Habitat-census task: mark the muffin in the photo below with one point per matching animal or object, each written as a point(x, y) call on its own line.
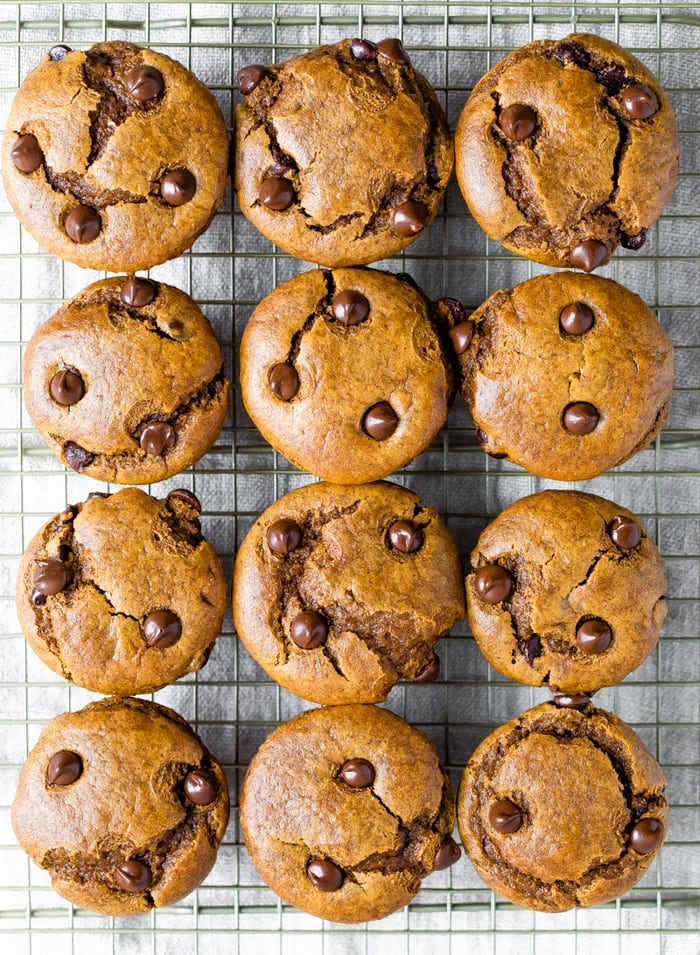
point(344, 811)
point(567, 148)
point(123, 805)
point(122, 594)
point(343, 153)
point(115, 157)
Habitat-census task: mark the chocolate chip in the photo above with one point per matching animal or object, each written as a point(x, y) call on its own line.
point(182, 494)
point(580, 417)
point(59, 52)
point(576, 319)
point(276, 193)
point(350, 308)
point(37, 599)
point(633, 242)
point(132, 876)
point(162, 628)
point(144, 83)
point(518, 122)
point(325, 875)
point(201, 787)
point(309, 630)
point(588, 255)
point(448, 853)
point(249, 77)
point(405, 536)
point(639, 101)
point(50, 576)
point(358, 773)
point(76, 457)
point(410, 218)
point(483, 440)
point(433, 173)
point(67, 387)
point(380, 421)
point(64, 768)
point(625, 532)
point(157, 438)
point(458, 311)
point(533, 649)
point(505, 816)
point(283, 536)
point(613, 78)
point(493, 583)
point(646, 835)
point(63, 553)
point(284, 381)
point(137, 292)
point(572, 53)
point(82, 225)
point(363, 49)
point(26, 153)
point(392, 49)
point(572, 701)
point(461, 336)
point(177, 187)
point(430, 673)
point(97, 494)
point(593, 635)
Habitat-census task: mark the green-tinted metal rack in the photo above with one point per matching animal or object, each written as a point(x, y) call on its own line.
point(231, 702)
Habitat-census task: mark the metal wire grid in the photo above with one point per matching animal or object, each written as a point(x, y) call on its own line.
point(231, 702)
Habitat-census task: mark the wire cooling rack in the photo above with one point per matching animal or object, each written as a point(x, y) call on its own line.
point(231, 702)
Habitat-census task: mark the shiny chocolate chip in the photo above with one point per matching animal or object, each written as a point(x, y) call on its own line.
point(276, 194)
point(625, 532)
point(309, 630)
point(572, 701)
point(250, 77)
point(639, 101)
point(448, 853)
point(380, 421)
point(182, 494)
point(588, 255)
point(593, 636)
point(405, 536)
point(283, 536)
point(64, 768)
point(59, 52)
point(82, 225)
point(358, 773)
point(177, 187)
point(633, 242)
point(576, 319)
point(201, 787)
point(144, 83)
point(580, 417)
point(162, 628)
point(284, 381)
point(50, 576)
point(613, 78)
point(493, 583)
point(325, 875)
point(646, 835)
point(363, 49)
point(572, 53)
point(505, 816)
point(483, 440)
point(157, 438)
point(410, 218)
point(37, 599)
point(461, 336)
point(137, 292)
point(392, 49)
point(430, 673)
point(26, 153)
point(133, 876)
point(76, 457)
point(67, 387)
point(350, 308)
point(532, 649)
point(518, 122)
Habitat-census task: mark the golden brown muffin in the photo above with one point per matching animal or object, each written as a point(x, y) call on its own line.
point(562, 807)
point(566, 374)
point(122, 594)
point(123, 805)
point(345, 809)
point(342, 154)
point(114, 158)
point(566, 589)
point(339, 591)
point(345, 372)
point(567, 148)
point(125, 382)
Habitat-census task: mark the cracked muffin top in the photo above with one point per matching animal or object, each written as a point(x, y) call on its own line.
point(562, 807)
point(114, 158)
point(567, 148)
point(566, 374)
point(340, 591)
point(344, 811)
point(566, 589)
point(123, 805)
point(122, 594)
point(345, 373)
point(342, 154)
point(125, 382)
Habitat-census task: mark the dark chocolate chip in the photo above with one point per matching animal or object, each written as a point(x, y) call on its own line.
point(533, 649)
point(249, 77)
point(137, 292)
point(76, 457)
point(572, 701)
point(410, 218)
point(380, 421)
point(59, 52)
point(201, 787)
point(633, 242)
point(493, 583)
point(276, 194)
point(82, 225)
point(448, 853)
point(505, 816)
point(182, 494)
point(132, 876)
point(613, 78)
point(576, 319)
point(97, 494)
point(177, 187)
point(309, 630)
point(37, 599)
point(67, 387)
point(405, 536)
point(392, 49)
point(162, 628)
point(518, 122)
point(284, 381)
point(64, 768)
point(458, 311)
point(580, 418)
point(461, 336)
point(63, 553)
point(639, 101)
point(358, 773)
point(433, 173)
point(646, 835)
point(144, 83)
point(363, 49)
point(625, 532)
point(26, 153)
point(593, 635)
point(430, 673)
point(50, 576)
point(483, 440)
point(283, 536)
point(572, 53)
point(588, 255)
point(350, 308)
point(157, 438)
point(325, 875)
